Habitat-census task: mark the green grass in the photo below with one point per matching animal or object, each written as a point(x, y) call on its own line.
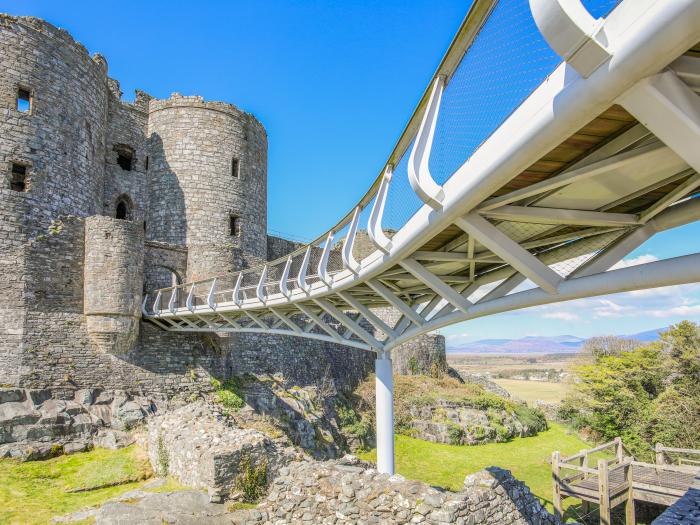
point(447, 465)
point(33, 492)
point(530, 391)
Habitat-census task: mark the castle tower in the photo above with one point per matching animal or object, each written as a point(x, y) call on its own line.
point(52, 132)
point(113, 281)
point(208, 176)
point(53, 104)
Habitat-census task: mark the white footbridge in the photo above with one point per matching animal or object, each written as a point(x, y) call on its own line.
point(553, 140)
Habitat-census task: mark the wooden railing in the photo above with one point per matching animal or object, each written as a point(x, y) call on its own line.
point(684, 456)
point(602, 493)
point(610, 481)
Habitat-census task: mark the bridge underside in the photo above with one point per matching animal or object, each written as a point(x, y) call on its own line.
point(599, 158)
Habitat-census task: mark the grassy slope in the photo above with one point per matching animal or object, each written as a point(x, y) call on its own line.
point(34, 492)
point(447, 465)
point(530, 391)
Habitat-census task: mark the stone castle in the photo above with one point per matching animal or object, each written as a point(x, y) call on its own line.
point(102, 199)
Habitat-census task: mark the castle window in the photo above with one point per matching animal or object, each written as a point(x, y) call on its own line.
point(125, 156)
point(24, 100)
point(235, 167)
point(145, 164)
point(18, 180)
point(234, 226)
point(123, 208)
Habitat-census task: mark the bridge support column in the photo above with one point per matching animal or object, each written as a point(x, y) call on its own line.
point(385, 413)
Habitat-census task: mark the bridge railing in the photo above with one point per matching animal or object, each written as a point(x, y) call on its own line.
point(497, 59)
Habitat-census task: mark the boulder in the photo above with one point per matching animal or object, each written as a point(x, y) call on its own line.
point(85, 396)
point(102, 414)
point(9, 395)
point(112, 439)
point(16, 413)
point(37, 397)
point(126, 415)
point(104, 398)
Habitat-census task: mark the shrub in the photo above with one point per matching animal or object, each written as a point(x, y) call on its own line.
point(229, 394)
point(502, 433)
point(252, 479)
point(531, 417)
point(485, 401)
point(162, 459)
point(354, 424)
point(455, 434)
point(643, 395)
point(413, 365)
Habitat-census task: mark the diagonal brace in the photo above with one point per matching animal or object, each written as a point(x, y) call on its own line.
point(510, 251)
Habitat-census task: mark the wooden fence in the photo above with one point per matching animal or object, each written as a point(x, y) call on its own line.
point(617, 477)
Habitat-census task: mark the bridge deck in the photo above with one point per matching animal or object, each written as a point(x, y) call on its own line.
point(650, 484)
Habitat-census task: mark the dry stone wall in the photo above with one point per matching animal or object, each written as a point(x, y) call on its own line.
point(350, 491)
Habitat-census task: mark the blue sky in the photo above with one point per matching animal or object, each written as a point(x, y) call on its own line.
point(334, 83)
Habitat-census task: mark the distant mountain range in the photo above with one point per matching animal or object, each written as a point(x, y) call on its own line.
point(560, 344)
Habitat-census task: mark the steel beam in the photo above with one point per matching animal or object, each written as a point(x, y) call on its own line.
point(510, 251)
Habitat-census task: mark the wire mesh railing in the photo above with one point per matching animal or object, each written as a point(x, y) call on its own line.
point(491, 75)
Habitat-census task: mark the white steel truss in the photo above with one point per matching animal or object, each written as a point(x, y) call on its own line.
point(562, 233)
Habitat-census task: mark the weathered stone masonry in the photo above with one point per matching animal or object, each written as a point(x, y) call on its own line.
point(189, 177)
point(117, 198)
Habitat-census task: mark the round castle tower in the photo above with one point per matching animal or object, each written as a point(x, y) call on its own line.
point(52, 130)
point(208, 176)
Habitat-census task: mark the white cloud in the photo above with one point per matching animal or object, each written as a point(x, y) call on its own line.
point(635, 261)
point(562, 316)
point(678, 311)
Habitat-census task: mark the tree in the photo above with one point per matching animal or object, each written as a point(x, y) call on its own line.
point(644, 394)
point(607, 345)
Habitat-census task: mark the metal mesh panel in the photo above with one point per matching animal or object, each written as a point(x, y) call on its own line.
point(578, 252)
point(506, 62)
point(402, 202)
point(522, 231)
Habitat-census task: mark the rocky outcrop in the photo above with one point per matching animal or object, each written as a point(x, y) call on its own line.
point(448, 422)
point(204, 449)
point(36, 425)
point(306, 415)
point(484, 382)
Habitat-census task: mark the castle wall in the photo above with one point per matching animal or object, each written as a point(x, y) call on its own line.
point(59, 142)
point(126, 128)
point(194, 193)
point(278, 247)
point(62, 138)
point(162, 260)
point(301, 361)
point(69, 315)
point(113, 282)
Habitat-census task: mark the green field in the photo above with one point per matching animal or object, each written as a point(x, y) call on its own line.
point(447, 465)
point(33, 492)
point(530, 391)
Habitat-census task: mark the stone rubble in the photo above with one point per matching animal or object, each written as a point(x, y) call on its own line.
point(350, 491)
